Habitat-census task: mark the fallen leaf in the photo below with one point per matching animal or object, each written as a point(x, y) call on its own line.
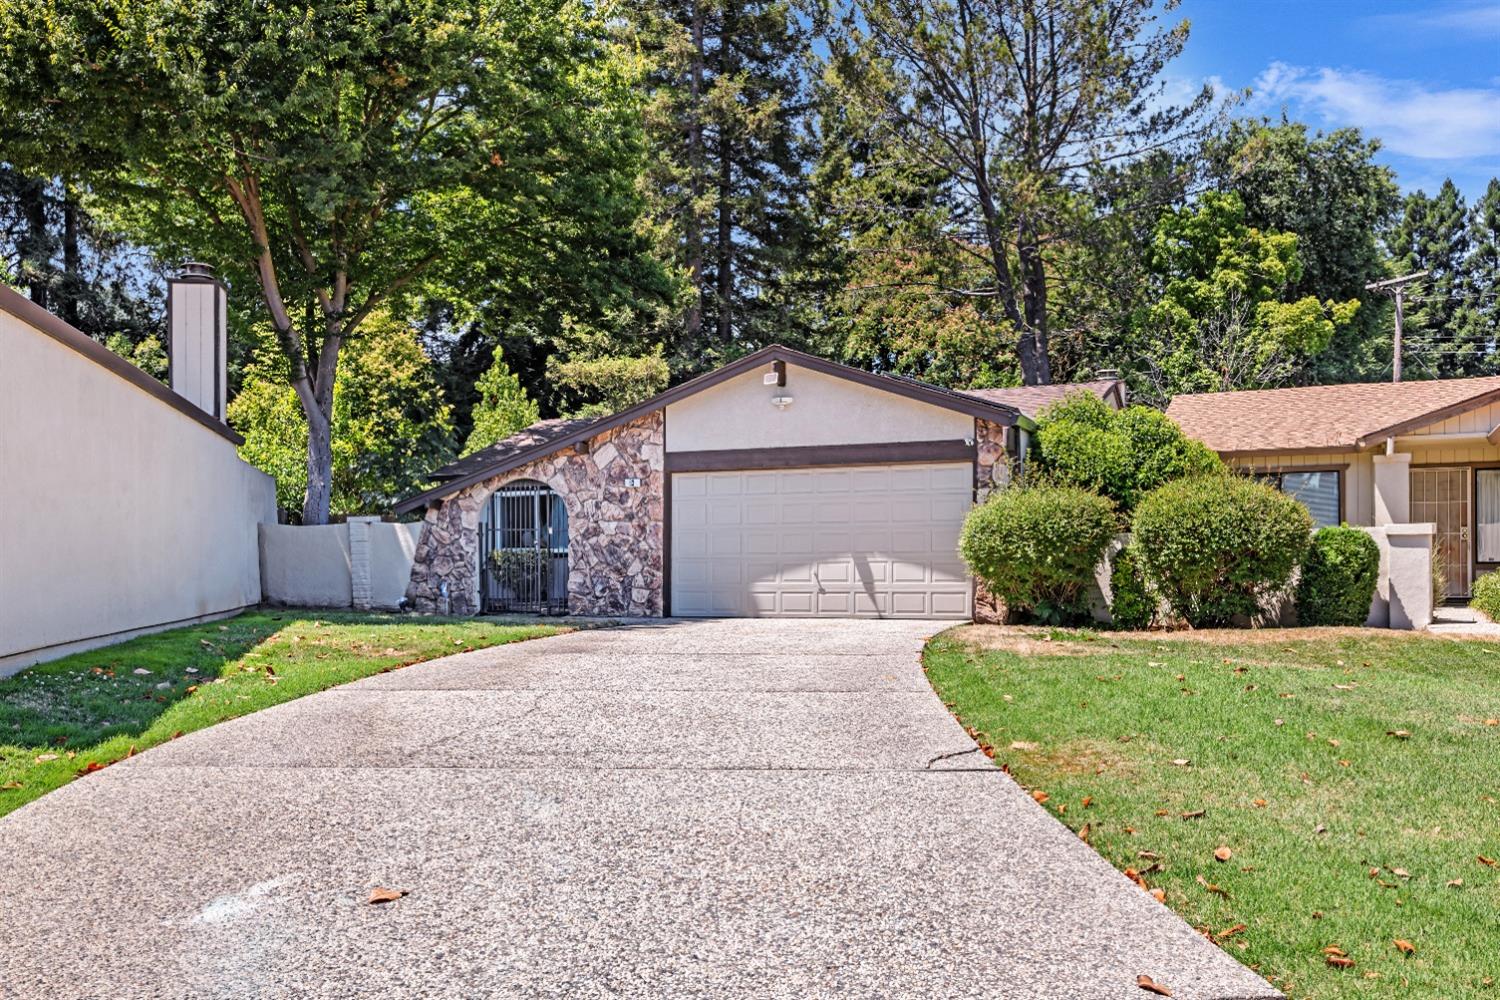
point(380, 894)
point(1040, 795)
point(1182, 762)
point(1455, 883)
point(10, 786)
point(1087, 800)
point(1083, 833)
point(1340, 961)
point(1260, 803)
point(1333, 949)
point(42, 758)
point(1400, 873)
point(1403, 946)
point(1194, 814)
point(1150, 985)
point(1230, 931)
point(1223, 854)
point(1023, 745)
point(1147, 855)
point(1400, 734)
point(1486, 861)
point(1160, 895)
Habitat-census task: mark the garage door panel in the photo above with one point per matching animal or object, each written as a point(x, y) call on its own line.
point(869, 540)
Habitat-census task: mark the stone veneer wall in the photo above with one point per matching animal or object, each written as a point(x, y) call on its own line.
point(992, 470)
point(615, 532)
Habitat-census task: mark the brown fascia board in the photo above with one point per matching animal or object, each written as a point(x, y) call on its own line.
point(55, 327)
point(997, 413)
point(1327, 449)
point(1432, 417)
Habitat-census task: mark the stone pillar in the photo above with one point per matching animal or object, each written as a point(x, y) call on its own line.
point(1409, 574)
point(1392, 489)
point(361, 591)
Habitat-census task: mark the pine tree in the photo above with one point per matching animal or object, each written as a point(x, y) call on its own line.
point(503, 406)
point(727, 115)
point(1481, 315)
point(1433, 236)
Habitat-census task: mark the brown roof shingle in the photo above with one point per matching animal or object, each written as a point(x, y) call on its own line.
point(538, 433)
point(1032, 399)
point(1350, 416)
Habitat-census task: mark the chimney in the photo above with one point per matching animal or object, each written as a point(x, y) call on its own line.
point(197, 338)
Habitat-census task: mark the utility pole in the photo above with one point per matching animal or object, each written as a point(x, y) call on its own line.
point(1396, 289)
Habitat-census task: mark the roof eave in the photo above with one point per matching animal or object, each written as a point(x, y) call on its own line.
point(1432, 417)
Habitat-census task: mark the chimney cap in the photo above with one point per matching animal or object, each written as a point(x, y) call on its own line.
point(1106, 373)
point(196, 270)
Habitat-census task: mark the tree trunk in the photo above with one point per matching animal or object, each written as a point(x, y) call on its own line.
point(319, 497)
point(692, 235)
point(724, 249)
point(72, 259)
point(36, 249)
point(1036, 367)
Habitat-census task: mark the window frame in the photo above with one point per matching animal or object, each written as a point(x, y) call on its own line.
point(1339, 471)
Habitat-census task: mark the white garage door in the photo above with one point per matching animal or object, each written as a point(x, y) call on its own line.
point(875, 541)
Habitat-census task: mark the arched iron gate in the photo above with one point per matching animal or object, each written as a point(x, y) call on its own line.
point(523, 550)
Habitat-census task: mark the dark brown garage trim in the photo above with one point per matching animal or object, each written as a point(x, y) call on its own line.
point(738, 459)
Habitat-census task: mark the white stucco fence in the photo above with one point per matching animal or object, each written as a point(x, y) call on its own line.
point(365, 563)
point(123, 509)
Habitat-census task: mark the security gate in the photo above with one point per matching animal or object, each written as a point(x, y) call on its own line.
point(523, 550)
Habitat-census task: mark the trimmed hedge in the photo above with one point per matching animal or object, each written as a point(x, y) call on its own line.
point(1121, 454)
point(1216, 547)
point(1035, 547)
point(1131, 605)
point(1338, 579)
point(1486, 598)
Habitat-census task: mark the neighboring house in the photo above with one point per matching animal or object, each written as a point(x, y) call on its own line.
point(1373, 454)
point(1033, 399)
point(780, 484)
point(124, 506)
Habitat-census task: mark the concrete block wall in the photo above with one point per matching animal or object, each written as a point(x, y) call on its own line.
point(363, 564)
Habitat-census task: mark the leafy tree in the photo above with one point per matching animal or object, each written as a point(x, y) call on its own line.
point(1328, 190)
point(610, 383)
point(503, 407)
point(148, 353)
point(1019, 106)
point(1433, 235)
point(337, 155)
point(1222, 318)
point(726, 118)
point(390, 424)
point(1121, 454)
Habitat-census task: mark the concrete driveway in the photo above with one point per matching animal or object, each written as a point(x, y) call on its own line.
point(704, 809)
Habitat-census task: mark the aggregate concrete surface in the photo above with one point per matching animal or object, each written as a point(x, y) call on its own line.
point(680, 809)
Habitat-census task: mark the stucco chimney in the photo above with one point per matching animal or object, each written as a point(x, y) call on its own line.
point(197, 337)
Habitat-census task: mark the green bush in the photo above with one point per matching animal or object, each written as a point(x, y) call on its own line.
point(1216, 547)
point(1338, 578)
point(1035, 548)
point(1487, 596)
point(1119, 454)
point(1131, 605)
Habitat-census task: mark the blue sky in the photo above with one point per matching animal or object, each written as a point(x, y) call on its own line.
point(1422, 77)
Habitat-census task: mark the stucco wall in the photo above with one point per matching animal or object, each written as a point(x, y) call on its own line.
point(118, 513)
point(615, 529)
point(825, 411)
point(318, 566)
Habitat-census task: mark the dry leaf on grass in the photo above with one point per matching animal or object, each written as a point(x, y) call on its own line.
point(1150, 985)
point(1230, 932)
point(1403, 946)
point(1223, 854)
point(1023, 745)
point(380, 894)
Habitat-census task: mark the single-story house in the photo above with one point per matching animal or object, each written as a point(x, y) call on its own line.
point(1373, 454)
point(779, 484)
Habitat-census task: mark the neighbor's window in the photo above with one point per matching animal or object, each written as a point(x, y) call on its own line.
point(1319, 492)
point(1487, 514)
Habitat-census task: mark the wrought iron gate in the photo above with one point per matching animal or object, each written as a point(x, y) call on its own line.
point(523, 550)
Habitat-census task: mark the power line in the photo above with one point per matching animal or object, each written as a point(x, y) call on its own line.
point(1395, 287)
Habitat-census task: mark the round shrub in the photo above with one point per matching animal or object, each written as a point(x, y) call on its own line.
point(1216, 547)
point(1120, 454)
point(1486, 598)
point(1338, 578)
point(1035, 547)
point(1131, 605)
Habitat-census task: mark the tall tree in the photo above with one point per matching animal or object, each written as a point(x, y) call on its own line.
point(337, 154)
point(1020, 105)
point(1481, 280)
point(1328, 190)
point(727, 120)
point(1433, 235)
point(503, 406)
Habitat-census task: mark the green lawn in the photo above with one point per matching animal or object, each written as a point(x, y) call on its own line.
point(60, 720)
point(1353, 776)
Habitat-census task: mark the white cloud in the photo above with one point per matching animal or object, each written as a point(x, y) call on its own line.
point(1481, 18)
point(1410, 118)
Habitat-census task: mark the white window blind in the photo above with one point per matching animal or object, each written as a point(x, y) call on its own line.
point(1487, 514)
point(1318, 492)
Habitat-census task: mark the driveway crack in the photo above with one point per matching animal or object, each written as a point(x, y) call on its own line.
point(950, 756)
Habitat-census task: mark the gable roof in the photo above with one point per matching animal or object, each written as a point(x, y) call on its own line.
point(1032, 399)
point(537, 442)
point(1324, 417)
